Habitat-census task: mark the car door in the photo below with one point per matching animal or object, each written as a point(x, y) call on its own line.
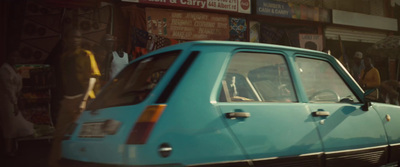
point(351, 136)
point(260, 105)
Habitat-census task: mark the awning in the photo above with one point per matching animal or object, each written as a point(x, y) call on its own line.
point(73, 3)
point(333, 32)
point(387, 47)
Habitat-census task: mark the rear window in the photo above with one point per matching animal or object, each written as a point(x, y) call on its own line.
point(135, 82)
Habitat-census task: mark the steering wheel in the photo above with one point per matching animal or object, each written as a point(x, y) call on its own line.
point(316, 94)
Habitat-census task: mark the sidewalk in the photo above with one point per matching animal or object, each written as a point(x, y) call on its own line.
point(31, 153)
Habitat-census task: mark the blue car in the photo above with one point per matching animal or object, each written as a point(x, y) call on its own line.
point(236, 104)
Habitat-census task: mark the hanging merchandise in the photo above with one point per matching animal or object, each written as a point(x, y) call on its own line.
point(156, 42)
point(140, 37)
point(139, 40)
point(254, 31)
point(34, 102)
point(238, 30)
point(144, 42)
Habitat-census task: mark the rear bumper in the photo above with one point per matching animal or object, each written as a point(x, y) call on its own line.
point(73, 163)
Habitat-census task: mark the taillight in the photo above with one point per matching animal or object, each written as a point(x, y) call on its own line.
point(144, 125)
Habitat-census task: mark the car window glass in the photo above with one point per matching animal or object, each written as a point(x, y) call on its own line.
point(257, 77)
point(135, 82)
point(322, 83)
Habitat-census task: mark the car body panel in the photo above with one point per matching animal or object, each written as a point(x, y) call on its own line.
point(273, 129)
point(89, 149)
point(190, 122)
point(348, 127)
point(295, 135)
point(390, 117)
point(195, 127)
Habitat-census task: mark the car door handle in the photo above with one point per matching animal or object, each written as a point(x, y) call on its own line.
point(233, 115)
point(320, 113)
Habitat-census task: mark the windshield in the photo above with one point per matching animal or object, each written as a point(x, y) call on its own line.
point(135, 82)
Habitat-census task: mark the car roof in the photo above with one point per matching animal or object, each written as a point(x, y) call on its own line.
point(234, 43)
point(244, 45)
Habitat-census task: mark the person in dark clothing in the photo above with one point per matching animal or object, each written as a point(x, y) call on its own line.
point(108, 44)
point(56, 87)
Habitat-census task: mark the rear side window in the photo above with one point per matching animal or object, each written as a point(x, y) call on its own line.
point(257, 77)
point(135, 82)
point(322, 83)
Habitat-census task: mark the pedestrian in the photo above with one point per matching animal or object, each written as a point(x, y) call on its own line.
point(370, 79)
point(389, 93)
point(109, 46)
point(357, 65)
point(79, 70)
point(13, 124)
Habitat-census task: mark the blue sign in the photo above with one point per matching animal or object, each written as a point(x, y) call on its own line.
point(273, 8)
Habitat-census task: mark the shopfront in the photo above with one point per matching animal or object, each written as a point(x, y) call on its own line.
point(355, 32)
point(142, 26)
point(156, 24)
point(35, 30)
point(288, 24)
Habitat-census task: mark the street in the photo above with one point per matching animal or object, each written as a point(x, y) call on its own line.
point(31, 153)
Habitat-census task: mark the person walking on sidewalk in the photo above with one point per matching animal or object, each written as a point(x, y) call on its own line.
point(79, 70)
point(12, 122)
point(357, 66)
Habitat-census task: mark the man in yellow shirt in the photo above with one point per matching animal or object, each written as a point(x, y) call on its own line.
point(78, 69)
point(370, 79)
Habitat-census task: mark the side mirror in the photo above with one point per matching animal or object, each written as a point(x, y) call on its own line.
point(368, 99)
point(366, 105)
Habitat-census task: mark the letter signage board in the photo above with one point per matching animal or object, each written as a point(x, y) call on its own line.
point(238, 6)
point(290, 10)
point(176, 24)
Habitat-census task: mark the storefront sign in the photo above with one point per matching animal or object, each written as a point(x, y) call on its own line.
point(290, 10)
point(239, 6)
point(177, 24)
point(311, 41)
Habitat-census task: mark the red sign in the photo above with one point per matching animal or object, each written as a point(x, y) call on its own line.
point(245, 4)
point(239, 6)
